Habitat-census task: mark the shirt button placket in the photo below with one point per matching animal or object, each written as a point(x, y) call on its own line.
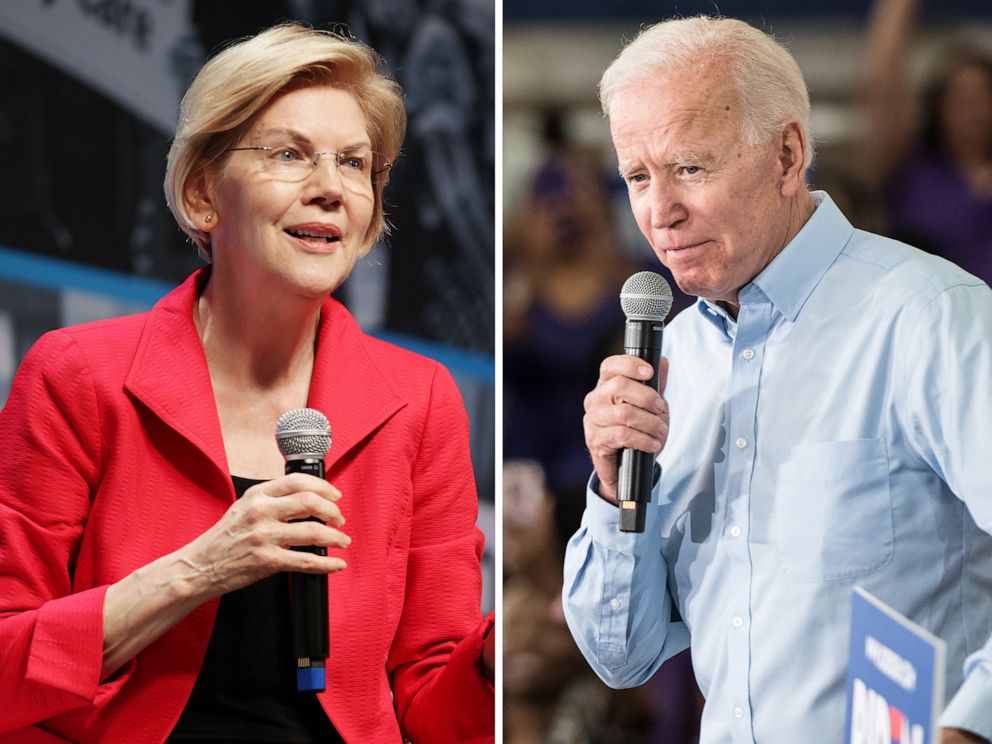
point(753, 326)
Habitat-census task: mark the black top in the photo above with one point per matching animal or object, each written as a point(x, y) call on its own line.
point(246, 690)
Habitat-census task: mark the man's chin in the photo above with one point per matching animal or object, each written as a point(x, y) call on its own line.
point(692, 286)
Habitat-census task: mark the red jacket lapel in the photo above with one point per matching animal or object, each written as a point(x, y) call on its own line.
point(169, 373)
point(169, 376)
point(348, 387)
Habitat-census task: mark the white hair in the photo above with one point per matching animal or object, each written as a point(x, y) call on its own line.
point(766, 78)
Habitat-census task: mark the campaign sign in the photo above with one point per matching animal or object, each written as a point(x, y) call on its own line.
point(895, 677)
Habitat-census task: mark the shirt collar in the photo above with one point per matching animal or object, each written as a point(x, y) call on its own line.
point(790, 278)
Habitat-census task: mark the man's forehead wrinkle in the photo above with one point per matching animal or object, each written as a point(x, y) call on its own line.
point(692, 107)
point(681, 136)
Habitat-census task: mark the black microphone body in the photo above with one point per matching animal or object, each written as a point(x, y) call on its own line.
point(642, 339)
point(646, 299)
point(304, 438)
point(308, 597)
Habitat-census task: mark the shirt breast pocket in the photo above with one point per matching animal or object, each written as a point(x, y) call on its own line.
point(833, 511)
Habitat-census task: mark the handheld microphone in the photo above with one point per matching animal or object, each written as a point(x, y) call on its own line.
point(304, 437)
point(646, 299)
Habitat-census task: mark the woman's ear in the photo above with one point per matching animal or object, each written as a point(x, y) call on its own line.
point(199, 201)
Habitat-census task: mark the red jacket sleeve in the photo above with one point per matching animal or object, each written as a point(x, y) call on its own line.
point(51, 639)
point(440, 693)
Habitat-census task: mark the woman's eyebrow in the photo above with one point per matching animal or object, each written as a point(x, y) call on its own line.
point(293, 134)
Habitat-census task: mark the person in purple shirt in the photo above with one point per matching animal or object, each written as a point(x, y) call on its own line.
point(934, 170)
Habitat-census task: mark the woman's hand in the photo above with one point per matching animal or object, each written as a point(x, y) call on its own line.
point(253, 540)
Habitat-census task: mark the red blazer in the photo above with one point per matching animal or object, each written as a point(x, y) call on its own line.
point(111, 456)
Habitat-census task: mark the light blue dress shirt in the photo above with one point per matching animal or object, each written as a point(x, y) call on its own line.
point(836, 434)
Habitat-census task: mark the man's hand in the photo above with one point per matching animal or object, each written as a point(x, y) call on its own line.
point(960, 736)
point(624, 413)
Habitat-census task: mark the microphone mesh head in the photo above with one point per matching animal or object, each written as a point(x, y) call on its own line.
point(646, 296)
point(303, 432)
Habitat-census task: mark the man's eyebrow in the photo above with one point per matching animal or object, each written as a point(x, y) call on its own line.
point(689, 156)
point(626, 166)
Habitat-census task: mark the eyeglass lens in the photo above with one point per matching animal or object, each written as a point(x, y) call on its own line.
point(293, 162)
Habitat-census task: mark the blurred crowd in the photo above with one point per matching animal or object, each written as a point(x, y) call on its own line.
point(549, 693)
point(563, 268)
point(922, 173)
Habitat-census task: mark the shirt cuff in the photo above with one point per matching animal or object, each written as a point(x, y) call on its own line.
point(601, 519)
point(971, 707)
point(594, 483)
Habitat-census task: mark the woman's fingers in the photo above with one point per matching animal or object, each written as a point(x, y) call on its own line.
point(256, 536)
point(302, 562)
point(305, 504)
point(295, 483)
point(299, 534)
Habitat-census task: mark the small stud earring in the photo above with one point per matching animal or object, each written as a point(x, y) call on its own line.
point(208, 218)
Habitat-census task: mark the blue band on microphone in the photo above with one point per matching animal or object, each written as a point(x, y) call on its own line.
point(311, 679)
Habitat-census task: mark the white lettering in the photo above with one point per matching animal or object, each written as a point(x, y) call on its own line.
point(891, 664)
point(872, 719)
point(859, 703)
point(879, 731)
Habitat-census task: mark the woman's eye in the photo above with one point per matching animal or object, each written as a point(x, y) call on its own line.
point(353, 162)
point(285, 154)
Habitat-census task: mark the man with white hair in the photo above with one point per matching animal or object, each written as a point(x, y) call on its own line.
point(828, 399)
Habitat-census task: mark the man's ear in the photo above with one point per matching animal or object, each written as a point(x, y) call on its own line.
point(792, 148)
point(199, 201)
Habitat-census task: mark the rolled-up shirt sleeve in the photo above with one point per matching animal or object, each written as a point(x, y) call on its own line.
point(616, 597)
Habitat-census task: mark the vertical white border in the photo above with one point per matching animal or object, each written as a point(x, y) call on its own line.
point(498, 352)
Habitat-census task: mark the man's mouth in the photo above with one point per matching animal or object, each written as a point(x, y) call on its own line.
point(686, 246)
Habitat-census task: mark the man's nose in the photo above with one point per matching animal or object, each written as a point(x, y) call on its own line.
point(667, 206)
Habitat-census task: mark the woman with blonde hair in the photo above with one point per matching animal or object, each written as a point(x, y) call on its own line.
point(146, 523)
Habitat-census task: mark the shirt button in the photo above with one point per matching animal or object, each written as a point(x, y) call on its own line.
point(735, 531)
point(738, 621)
point(738, 712)
point(616, 604)
point(741, 443)
point(748, 354)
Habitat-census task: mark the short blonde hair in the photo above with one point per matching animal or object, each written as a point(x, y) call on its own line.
point(768, 82)
point(234, 86)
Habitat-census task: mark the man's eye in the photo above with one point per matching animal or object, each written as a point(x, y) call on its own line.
point(689, 170)
point(637, 178)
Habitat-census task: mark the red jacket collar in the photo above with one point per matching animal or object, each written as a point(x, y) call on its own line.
point(169, 375)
